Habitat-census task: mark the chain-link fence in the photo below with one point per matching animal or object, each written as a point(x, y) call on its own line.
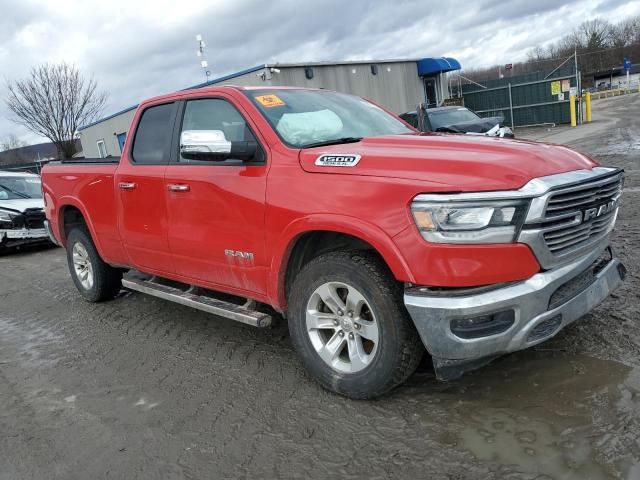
point(530, 99)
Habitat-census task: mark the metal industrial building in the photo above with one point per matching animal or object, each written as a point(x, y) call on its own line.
point(399, 85)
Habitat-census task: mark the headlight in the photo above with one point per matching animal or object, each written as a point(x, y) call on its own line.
point(478, 221)
point(7, 216)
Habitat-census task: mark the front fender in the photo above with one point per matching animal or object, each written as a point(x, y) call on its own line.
point(361, 229)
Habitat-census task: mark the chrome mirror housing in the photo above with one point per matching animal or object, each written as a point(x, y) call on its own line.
point(195, 143)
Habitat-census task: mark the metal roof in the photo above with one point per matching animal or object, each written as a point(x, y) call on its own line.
point(344, 62)
point(227, 77)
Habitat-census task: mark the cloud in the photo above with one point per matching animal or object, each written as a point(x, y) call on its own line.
point(141, 48)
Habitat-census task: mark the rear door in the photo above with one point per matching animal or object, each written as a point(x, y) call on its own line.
point(216, 208)
point(141, 190)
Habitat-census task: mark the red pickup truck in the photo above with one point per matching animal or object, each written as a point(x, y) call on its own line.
point(373, 240)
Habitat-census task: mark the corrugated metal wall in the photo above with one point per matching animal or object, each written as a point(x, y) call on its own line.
point(395, 86)
point(532, 101)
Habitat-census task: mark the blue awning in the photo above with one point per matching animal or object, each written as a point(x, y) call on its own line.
point(432, 66)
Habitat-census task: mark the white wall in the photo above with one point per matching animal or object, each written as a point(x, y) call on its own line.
point(107, 131)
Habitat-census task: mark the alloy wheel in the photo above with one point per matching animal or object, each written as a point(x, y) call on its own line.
point(342, 327)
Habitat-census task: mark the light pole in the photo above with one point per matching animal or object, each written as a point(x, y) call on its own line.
point(203, 62)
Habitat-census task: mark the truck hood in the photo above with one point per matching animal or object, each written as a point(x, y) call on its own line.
point(21, 204)
point(451, 163)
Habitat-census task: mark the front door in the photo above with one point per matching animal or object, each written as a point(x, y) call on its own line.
point(430, 91)
point(216, 208)
point(141, 188)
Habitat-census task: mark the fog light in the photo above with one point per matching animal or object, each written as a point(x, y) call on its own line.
point(622, 271)
point(546, 328)
point(483, 325)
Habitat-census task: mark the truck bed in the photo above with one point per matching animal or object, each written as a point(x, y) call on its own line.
point(88, 185)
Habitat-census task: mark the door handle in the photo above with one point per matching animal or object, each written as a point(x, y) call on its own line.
point(178, 187)
point(126, 185)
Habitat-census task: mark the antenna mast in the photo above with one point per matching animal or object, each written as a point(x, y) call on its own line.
point(203, 62)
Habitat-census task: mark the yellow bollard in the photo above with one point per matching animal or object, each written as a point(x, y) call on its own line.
point(572, 109)
point(587, 106)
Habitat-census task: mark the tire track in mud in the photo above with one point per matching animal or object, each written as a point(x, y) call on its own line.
point(220, 389)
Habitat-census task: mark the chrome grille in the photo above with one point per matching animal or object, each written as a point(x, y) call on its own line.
point(584, 196)
point(564, 229)
point(572, 236)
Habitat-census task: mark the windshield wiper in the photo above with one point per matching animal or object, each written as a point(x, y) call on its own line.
point(14, 192)
point(335, 141)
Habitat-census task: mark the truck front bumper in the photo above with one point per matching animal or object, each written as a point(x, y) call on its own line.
point(491, 322)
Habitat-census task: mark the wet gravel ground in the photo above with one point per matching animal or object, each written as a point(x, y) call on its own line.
point(141, 388)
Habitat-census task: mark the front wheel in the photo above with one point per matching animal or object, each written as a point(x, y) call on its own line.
point(349, 325)
point(94, 279)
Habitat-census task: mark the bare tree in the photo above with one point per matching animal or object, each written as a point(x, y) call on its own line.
point(626, 32)
point(593, 34)
point(54, 101)
point(600, 46)
point(11, 142)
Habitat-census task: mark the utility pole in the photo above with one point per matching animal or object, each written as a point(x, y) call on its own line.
point(200, 53)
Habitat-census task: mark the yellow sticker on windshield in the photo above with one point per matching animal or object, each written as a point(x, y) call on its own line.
point(270, 101)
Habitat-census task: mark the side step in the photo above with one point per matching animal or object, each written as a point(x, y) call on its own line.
point(207, 304)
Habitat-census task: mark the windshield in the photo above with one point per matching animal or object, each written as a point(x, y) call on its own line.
point(450, 116)
point(14, 188)
point(305, 118)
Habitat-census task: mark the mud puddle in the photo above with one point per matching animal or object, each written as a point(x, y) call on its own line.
point(542, 417)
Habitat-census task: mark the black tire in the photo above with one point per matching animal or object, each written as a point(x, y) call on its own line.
point(399, 349)
point(107, 281)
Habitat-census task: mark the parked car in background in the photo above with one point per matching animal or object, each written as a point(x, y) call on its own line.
point(458, 120)
point(21, 210)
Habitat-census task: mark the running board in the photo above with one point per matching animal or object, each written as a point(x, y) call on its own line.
point(221, 308)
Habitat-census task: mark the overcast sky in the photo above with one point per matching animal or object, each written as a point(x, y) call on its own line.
point(138, 49)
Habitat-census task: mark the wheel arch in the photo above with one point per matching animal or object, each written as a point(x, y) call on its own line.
point(70, 214)
point(309, 237)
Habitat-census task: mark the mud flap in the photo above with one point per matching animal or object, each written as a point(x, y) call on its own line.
point(448, 369)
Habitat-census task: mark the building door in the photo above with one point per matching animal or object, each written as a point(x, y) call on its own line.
point(430, 91)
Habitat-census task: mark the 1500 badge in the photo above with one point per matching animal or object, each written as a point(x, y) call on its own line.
point(338, 160)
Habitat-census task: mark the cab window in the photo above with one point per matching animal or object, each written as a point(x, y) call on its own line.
point(152, 141)
point(218, 114)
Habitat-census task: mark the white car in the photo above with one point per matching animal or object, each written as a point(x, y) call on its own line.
point(21, 210)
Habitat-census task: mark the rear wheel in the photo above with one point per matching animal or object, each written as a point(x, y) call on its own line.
point(94, 279)
point(350, 327)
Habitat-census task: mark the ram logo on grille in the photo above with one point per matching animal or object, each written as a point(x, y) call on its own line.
point(338, 160)
point(595, 212)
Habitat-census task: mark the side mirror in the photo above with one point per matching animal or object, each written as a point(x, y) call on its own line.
point(212, 145)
